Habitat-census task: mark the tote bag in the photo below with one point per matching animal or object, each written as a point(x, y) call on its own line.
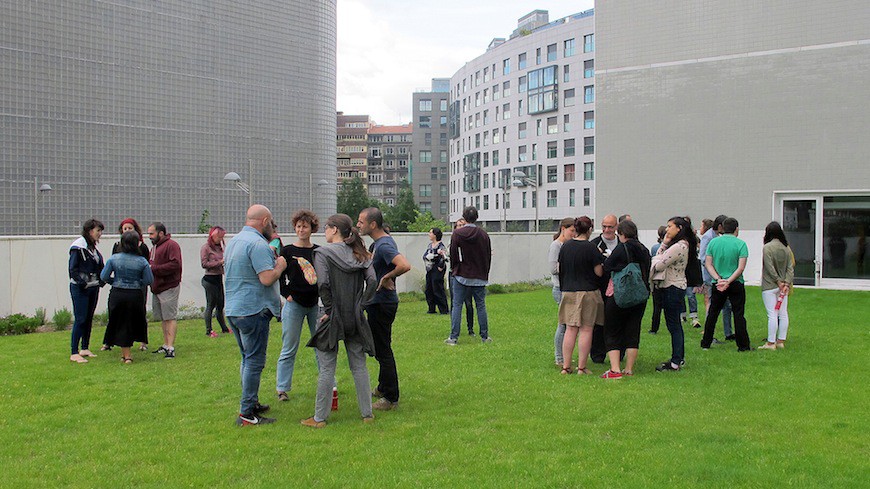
point(628, 287)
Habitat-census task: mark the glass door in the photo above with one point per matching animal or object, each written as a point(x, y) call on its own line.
point(846, 224)
point(799, 221)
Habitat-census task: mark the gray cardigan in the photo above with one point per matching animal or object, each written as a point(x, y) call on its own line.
point(345, 286)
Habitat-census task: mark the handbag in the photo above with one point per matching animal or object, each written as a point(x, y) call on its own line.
point(628, 287)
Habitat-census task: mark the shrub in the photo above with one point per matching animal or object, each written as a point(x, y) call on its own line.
point(496, 289)
point(101, 319)
point(39, 315)
point(412, 296)
point(18, 324)
point(61, 319)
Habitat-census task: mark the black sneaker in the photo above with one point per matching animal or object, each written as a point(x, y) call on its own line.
point(253, 419)
point(667, 367)
point(162, 349)
point(732, 337)
point(170, 353)
point(260, 408)
point(471, 333)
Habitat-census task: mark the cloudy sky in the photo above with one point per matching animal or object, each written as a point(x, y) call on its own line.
point(389, 48)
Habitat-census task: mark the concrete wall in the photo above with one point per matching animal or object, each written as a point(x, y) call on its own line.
point(33, 272)
point(707, 108)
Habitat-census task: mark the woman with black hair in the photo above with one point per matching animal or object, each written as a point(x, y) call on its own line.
point(436, 265)
point(622, 324)
point(127, 271)
point(85, 265)
point(130, 224)
point(668, 273)
point(777, 276)
point(346, 282)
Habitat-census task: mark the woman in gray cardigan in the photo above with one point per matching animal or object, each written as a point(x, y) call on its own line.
point(346, 282)
point(777, 275)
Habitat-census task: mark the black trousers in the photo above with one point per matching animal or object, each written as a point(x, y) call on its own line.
point(381, 317)
point(736, 293)
point(214, 302)
point(436, 297)
point(657, 310)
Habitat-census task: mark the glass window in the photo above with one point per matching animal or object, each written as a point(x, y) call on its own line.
point(569, 97)
point(506, 111)
point(589, 145)
point(566, 73)
point(425, 121)
point(569, 172)
point(538, 127)
point(506, 66)
point(551, 198)
point(589, 171)
point(589, 119)
point(520, 107)
point(569, 147)
point(428, 139)
point(496, 136)
point(571, 197)
point(551, 52)
point(495, 92)
point(425, 157)
point(485, 159)
point(845, 225)
point(425, 190)
point(521, 130)
point(522, 84)
point(587, 196)
point(521, 61)
point(552, 174)
point(506, 88)
point(495, 158)
point(538, 56)
point(534, 152)
point(589, 68)
point(442, 157)
point(425, 105)
point(521, 152)
point(443, 105)
point(589, 94)
point(566, 123)
point(552, 149)
point(552, 125)
point(444, 190)
point(485, 202)
point(568, 49)
point(589, 43)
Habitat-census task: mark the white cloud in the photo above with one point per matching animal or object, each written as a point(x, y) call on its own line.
point(389, 48)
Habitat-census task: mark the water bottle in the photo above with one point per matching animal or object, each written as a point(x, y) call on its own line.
point(335, 398)
point(779, 300)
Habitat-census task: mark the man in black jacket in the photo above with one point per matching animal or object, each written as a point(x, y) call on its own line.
point(606, 242)
point(470, 260)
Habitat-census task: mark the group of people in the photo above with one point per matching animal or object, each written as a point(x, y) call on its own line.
point(598, 312)
point(344, 291)
point(130, 270)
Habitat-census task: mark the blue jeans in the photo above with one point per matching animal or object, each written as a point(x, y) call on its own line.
point(672, 297)
point(252, 334)
point(292, 315)
point(84, 304)
point(460, 294)
point(693, 303)
point(559, 337)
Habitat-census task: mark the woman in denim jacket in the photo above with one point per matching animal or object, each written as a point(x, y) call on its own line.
point(127, 272)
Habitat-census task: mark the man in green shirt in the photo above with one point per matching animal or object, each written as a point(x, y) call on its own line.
point(726, 260)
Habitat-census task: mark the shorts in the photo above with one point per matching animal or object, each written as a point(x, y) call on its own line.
point(584, 308)
point(165, 304)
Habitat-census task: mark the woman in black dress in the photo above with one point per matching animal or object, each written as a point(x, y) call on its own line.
point(130, 224)
point(127, 272)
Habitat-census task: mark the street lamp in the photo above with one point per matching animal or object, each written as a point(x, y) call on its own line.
point(38, 189)
point(244, 187)
point(521, 180)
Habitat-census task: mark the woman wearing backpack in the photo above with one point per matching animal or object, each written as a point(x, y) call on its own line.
point(622, 324)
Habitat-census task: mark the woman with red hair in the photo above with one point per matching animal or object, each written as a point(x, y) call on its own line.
point(211, 256)
point(130, 224)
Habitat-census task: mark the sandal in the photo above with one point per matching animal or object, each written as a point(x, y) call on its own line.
point(127, 360)
point(105, 348)
point(567, 370)
point(143, 347)
point(77, 358)
point(583, 371)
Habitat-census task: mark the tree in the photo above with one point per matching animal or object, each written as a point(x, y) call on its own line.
point(426, 221)
point(352, 198)
point(204, 226)
point(404, 212)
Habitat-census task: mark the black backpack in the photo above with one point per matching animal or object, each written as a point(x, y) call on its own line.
point(693, 272)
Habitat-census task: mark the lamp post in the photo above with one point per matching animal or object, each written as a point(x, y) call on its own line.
point(38, 189)
point(320, 184)
point(244, 187)
point(521, 180)
point(505, 187)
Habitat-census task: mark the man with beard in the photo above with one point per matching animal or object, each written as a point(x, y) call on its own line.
point(166, 267)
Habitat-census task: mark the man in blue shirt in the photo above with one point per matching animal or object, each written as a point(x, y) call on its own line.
point(252, 299)
point(381, 311)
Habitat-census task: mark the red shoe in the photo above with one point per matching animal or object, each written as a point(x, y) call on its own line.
point(610, 374)
point(213, 334)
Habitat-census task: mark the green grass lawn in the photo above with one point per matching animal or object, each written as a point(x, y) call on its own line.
point(470, 416)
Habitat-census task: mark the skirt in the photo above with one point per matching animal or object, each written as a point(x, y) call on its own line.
point(127, 320)
point(584, 308)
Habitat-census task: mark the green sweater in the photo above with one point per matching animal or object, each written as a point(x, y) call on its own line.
point(777, 265)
